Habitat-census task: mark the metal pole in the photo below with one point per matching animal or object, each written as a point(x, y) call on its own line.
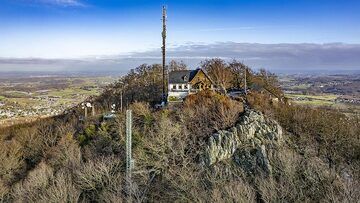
point(128, 153)
point(163, 50)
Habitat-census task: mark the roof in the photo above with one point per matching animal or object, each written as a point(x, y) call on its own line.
point(182, 76)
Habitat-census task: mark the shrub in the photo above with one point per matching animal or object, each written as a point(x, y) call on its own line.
point(43, 185)
point(173, 99)
point(87, 135)
point(327, 143)
point(90, 130)
point(96, 176)
point(12, 162)
point(208, 111)
point(61, 189)
point(34, 185)
point(66, 155)
point(4, 191)
point(142, 115)
point(162, 145)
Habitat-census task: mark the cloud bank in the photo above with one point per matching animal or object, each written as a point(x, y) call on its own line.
point(307, 57)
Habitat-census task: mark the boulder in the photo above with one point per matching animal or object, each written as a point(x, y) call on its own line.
point(221, 145)
point(248, 143)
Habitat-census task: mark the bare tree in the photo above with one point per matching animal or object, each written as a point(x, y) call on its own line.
point(219, 71)
point(177, 65)
point(239, 69)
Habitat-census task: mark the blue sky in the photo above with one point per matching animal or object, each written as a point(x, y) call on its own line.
point(92, 28)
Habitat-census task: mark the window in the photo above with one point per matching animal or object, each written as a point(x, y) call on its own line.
point(185, 87)
point(180, 87)
point(174, 87)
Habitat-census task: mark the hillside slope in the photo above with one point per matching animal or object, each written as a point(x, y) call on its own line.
point(210, 149)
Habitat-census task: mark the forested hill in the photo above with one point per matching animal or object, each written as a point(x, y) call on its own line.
point(211, 148)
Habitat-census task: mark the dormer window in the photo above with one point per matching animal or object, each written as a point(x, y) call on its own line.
point(185, 78)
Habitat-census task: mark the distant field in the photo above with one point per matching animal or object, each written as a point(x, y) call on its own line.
point(301, 86)
point(316, 103)
point(325, 99)
point(73, 92)
point(45, 96)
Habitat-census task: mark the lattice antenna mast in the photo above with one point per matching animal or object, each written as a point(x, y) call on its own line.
point(164, 51)
point(129, 160)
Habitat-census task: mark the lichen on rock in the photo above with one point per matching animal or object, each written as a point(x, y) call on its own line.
point(248, 143)
point(221, 145)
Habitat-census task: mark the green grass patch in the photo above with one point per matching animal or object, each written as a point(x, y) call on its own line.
point(315, 103)
point(313, 100)
point(328, 97)
point(71, 92)
point(301, 86)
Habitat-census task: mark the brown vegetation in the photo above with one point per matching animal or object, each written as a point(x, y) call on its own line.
point(326, 144)
point(64, 159)
point(207, 112)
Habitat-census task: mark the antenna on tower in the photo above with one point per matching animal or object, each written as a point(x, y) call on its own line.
point(163, 51)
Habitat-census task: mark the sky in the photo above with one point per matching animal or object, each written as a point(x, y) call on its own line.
point(278, 34)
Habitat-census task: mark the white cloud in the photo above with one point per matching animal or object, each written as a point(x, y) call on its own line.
point(65, 3)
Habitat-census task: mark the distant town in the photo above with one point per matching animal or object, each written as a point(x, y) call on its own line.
point(323, 90)
point(28, 98)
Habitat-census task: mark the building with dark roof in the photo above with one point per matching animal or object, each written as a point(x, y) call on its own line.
point(185, 82)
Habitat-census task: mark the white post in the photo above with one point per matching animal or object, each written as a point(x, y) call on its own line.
point(93, 110)
point(85, 112)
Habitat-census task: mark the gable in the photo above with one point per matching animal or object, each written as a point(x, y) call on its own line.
point(201, 76)
point(189, 76)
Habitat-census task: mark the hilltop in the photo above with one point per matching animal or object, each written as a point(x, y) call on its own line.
point(211, 148)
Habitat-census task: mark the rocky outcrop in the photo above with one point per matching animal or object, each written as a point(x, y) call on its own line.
point(248, 143)
point(222, 145)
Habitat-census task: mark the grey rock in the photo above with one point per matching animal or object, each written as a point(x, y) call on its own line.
point(248, 143)
point(221, 145)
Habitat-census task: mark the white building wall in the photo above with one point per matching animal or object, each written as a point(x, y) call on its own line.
point(170, 87)
point(179, 93)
